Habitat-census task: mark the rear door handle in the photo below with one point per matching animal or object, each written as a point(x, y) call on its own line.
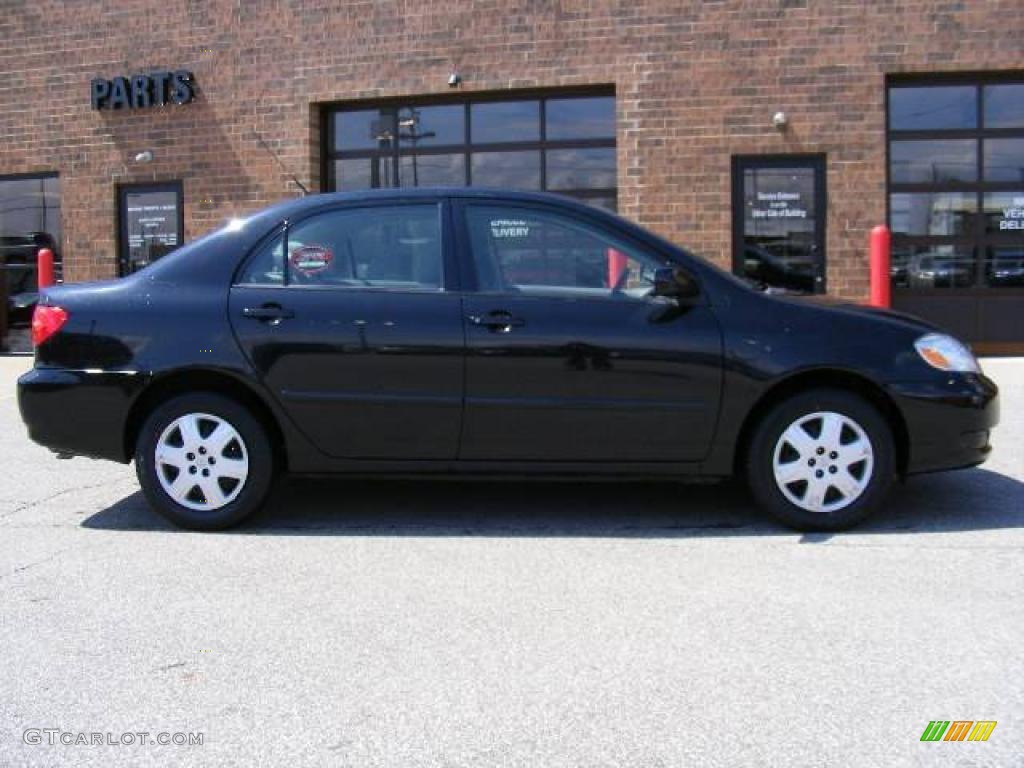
point(498, 321)
point(268, 312)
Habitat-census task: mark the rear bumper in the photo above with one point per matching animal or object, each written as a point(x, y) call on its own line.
point(82, 412)
point(949, 421)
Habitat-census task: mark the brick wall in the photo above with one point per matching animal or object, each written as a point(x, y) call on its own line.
point(696, 82)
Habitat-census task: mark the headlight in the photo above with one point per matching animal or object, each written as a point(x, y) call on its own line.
point(946, 353)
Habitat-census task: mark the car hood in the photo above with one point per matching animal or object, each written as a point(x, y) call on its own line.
point(861, 310)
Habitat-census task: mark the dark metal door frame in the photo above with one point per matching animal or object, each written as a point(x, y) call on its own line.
point(817, 163)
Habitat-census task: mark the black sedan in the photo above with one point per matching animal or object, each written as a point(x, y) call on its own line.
point(477, 331)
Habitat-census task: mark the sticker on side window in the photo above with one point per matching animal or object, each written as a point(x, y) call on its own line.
point(310, 259)
point(504, 228)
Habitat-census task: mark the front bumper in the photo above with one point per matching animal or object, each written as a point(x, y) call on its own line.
point(949, 420)
point(82, 412)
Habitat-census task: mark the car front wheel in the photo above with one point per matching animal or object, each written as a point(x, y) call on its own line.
point(821, 460)
point(204, 462)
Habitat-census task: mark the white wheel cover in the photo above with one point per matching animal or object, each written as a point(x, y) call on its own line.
point(823, 462)
point(201, 461)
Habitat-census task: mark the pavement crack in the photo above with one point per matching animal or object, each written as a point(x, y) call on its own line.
point(31, 504)
point(27, 566)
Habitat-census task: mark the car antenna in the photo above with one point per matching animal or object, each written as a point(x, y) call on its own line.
point(277, 159)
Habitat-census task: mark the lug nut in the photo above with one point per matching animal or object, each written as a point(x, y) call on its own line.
point(202, 450)
point(832, 470)
point(212, 460)
point(190, 456)
point(810, 462)
point(833, 455)
point(192, 470)
point(206, 473)
point(820, 450)
point(819, 473)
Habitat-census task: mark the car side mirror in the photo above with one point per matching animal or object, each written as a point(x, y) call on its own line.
point(675, 283)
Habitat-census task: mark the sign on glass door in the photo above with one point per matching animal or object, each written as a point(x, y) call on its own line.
point(151, 223)
point(779, 221)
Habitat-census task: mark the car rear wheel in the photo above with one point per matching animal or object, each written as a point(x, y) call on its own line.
point(204, 462)
point(821, 460)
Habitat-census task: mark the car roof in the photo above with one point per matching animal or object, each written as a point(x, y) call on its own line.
point(316, 200)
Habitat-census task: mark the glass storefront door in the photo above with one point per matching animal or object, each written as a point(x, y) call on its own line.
point(150, 223)
point(779, 221)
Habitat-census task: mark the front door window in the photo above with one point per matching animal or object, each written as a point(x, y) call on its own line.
point(779, 227)
point(529, 251)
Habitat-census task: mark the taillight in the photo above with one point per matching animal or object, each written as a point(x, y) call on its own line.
point(46, 321)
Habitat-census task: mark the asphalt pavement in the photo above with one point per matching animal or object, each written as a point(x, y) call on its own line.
point(413, 623)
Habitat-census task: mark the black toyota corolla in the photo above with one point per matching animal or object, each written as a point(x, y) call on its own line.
point(480, 331)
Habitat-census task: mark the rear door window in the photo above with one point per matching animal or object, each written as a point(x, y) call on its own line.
point(397, 247)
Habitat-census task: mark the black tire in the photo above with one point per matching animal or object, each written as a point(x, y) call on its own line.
point(760, 459)
point(256, 446)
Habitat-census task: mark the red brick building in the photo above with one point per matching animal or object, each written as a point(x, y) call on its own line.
point(766, 135)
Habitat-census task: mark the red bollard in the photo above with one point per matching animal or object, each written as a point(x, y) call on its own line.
point(44, 262)
point(881, 267)
point(616, 266)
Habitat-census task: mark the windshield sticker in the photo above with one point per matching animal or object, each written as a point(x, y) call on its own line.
point(501, 228)
point(310, 259)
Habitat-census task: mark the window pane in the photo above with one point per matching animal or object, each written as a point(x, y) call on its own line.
point(394, 246)
point(1004, 106)
point(506, 121)
point(152, 223)
point(1004, 266)
point(364, 129)
point(933, 161)
point(432, 126)
point(432, 170)
point(940, 213)
point(780, 229)
point(581, 168)
point(29, 220)
point(507, 169)
point(608, 202)
point(363, 173)
point(266, 267)
point(1004, 214)
point(936, 266)
point(590, 118)
point(1004, 160)
point(542, 253)
point(933, 107)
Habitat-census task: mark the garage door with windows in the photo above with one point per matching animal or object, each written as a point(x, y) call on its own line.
point(956, 205)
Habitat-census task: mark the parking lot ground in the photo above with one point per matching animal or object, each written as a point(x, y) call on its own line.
point(414, 623)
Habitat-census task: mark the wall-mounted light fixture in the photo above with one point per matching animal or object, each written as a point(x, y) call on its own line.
point(146, 156)
point(780, 120)
point(454, 80)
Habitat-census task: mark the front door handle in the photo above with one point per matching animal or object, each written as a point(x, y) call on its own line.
point(498, 321)
point(273, 313)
